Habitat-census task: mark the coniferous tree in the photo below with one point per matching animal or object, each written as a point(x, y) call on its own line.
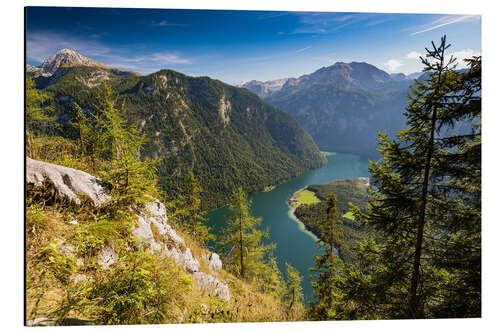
point(425, 208)
point(327, 265)
point(293, 296)
point(241, 241)
point(458, 247)
point(133, 181)
point(38, 111)
point(86, 136)
point(187, 211)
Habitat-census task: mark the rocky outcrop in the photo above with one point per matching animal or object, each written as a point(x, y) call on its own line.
point(224, 110)
point(211, 285)
point(213, 261)
point(69, 182)
point(152, 228)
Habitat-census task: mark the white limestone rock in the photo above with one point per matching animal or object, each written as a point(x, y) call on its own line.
point(106, 257)
point(212, 286)
point(68, 182)
point(42, 321)
point(213, 261)
point(184, 259)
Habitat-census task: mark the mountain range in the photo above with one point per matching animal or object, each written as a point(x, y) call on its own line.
point(226, 135)
point(342, 106)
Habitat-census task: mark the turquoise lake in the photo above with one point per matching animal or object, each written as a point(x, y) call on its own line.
point(293, 244)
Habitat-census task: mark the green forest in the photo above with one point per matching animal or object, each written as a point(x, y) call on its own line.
point(347, 191)
point(190, 124)
point(405, 246)
point(422, 254)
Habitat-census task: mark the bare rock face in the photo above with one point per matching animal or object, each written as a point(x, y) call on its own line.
point(211, 285)
point(68, 182)
point(154, 217)
point(224, 110)
point(66, 57)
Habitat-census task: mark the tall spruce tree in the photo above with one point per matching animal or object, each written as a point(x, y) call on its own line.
point(458, 219)
point(327, 265)
point(425, 209)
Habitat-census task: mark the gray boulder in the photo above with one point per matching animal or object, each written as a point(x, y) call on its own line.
point(68, 182)
point(184, 259)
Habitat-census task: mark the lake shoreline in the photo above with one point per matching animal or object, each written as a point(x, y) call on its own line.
point(295, 243)
point(292, 215)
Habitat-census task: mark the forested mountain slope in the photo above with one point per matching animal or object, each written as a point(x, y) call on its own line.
point(226, 135)
point(344, 105)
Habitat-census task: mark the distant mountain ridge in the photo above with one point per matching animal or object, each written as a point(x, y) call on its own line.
point(344, 105)
point(226, 135)
point(345, 74)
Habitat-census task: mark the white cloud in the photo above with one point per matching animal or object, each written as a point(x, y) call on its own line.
point(326, 23)
point(414, 55)
point(446, 20)
point(463, 54)
point(169, 58)
point(392, 65)
point(165, 23)
point(303, 49)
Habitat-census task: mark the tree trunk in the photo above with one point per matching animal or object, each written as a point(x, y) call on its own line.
point(241, 248)
point(330, 268)
point(415, 310)
point(414, 302)
point(292, 302)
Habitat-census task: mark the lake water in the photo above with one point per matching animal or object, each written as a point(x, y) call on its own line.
point(293, 244)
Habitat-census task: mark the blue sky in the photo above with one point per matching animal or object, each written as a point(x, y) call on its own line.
point(237, 46)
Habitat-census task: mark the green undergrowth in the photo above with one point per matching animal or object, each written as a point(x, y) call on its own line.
point(65, 282)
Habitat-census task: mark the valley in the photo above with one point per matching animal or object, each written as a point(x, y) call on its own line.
point(294, 244)
point(189, 123)
point(173, 197)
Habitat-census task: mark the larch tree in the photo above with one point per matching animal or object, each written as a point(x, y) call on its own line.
point(38, 112)
point(241, 241)
point(133, 181)
point(187, 211)
point(293, 296)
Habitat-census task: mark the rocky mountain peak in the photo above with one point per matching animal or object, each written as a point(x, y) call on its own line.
point(361, 73)
point(67, 58)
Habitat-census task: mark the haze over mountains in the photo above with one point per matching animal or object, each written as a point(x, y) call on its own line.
point(342, 106)
point(226, 135)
